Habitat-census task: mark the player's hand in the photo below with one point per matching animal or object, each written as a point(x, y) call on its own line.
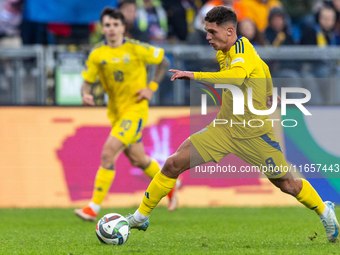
point(88, 100)
point(181, 75)
point(270, 100)
point(144, 94)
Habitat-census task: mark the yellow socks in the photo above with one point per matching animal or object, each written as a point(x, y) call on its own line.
point(159, 187)
point(152, 169)
point(102, 184)
point(310, 198)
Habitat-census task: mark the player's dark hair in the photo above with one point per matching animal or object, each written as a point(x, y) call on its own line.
point(113, 13)
point(221, 15)
point(124, 2)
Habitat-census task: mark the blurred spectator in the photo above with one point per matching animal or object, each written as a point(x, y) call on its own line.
point(236, 5)
point(200, 33)
point(33, 32)
point(258, 11)
point(298, 10)
point(321, 34)
point(191, 10)
point(152, 18)
point(248, 29)
point(62, 33)
point(129, 10)
point(177, 23)
point(10, 20)
point(300, 14)
point(277, 33)
point(336, 5)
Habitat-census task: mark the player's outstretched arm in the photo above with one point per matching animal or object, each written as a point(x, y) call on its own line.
point(86, 94)
point(233, 76)
point(181, 75)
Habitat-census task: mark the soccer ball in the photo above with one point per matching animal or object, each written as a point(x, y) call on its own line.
point(113, 228)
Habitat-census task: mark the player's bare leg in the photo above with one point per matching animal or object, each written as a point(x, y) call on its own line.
point(306, 194)
point(185, 157)
point(105, 175)
point(138, 158)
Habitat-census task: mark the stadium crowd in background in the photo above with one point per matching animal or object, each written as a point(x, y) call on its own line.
point(181, 21)
point(274, 23)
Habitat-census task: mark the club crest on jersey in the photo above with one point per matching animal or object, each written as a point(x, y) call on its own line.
point(126, 58)
point(103, 63)
point(225, 64)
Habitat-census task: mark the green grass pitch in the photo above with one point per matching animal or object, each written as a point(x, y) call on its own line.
point(185, 231)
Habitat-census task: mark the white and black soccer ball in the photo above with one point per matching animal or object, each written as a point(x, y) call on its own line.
point(113, 228)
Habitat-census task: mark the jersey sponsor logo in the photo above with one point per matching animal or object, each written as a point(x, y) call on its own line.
point(156, 52)
point(116, 60)
point(103, 63)
point(126, 58)
point(237, 60)
point(147, 195)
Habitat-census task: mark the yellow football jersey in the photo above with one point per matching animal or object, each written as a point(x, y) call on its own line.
point(242, 54)
point(122, 71)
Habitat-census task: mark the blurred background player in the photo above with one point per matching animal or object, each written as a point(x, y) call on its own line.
point(120, 64)
point(129, 9)
point(240, 66)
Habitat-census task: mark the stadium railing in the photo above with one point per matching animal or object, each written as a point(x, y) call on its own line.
point(27, 74)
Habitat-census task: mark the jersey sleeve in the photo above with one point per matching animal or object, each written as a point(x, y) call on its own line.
point(234, 76)
point(150, 54)
point(242, 56)
point(269, 80)
point(91, 70)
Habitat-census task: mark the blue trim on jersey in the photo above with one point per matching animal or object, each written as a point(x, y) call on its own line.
point(272, 143)
point(238, 47)
point(139, 126)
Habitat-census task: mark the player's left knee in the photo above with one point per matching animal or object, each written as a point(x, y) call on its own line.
point(140, 163)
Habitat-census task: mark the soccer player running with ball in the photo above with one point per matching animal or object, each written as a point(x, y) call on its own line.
point(240, 65)
point(121, 66)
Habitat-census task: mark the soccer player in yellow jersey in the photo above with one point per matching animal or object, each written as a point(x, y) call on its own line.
point(121, 66)
point(241, 66)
